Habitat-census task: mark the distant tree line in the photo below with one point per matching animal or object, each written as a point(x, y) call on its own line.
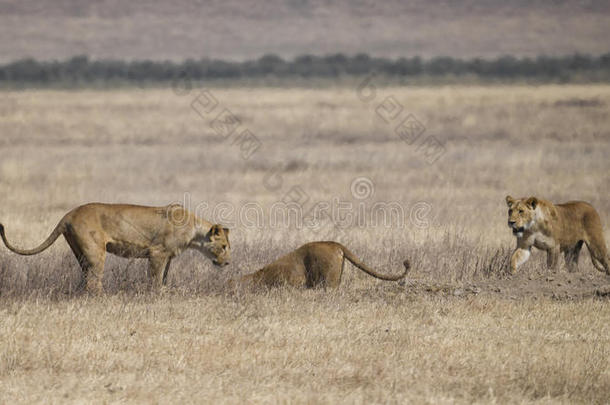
point(81, 69)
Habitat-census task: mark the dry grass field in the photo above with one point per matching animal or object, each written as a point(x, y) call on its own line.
point(459, 330)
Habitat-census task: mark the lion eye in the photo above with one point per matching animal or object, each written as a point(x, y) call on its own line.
point(520, 211)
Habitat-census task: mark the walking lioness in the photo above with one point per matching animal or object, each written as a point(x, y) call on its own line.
point(313, 264)
point(556, 228)
point(156, 233)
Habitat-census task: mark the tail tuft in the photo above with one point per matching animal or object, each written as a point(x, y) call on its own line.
point(407, 265)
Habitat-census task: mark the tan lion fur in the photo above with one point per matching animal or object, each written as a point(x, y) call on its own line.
point(555, 229)
point(133, 231)
point(312, 265)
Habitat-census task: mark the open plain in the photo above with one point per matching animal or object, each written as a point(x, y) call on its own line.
point(459, 329)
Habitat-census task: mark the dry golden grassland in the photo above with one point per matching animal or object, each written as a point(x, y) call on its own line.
point(459, 330)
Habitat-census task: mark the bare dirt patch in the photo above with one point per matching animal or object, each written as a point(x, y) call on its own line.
point(559, 286)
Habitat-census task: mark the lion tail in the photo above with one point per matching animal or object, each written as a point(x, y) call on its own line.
point(59, 229)
point(356, 262)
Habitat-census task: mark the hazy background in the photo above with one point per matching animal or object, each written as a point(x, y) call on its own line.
point(236, 30)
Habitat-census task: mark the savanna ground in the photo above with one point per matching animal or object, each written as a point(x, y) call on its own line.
point(458, 330)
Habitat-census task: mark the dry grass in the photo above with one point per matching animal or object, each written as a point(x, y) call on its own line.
point(358, 345)
point(369, 341)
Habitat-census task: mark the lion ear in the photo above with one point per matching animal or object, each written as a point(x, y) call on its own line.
point(215, 230)
point(532, 202)
point(226, 230)
point(509, 200)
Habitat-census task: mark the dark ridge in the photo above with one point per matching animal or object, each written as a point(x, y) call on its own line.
point(81, 70)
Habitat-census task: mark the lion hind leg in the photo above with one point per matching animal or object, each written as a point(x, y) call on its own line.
point(90, 257)
point(333, 271)
point(95, 257)
point(552, 258)
point(92, 265)
point(96, 274)
point(80, 257)
point(334, 280)
point(571, 256)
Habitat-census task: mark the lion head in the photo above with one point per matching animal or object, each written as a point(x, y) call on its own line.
point(521, 214)
point(216, 245)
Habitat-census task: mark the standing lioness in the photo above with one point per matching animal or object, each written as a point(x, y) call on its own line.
point(556, 228)
point(156, 233)
point(313, 264)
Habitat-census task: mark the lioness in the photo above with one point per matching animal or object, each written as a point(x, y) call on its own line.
point(556, 228)
point(156, 233)
point(312, 265)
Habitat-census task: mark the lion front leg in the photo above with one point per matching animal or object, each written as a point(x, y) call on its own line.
point(247, 282)
point(519, 257)
point(159, 265)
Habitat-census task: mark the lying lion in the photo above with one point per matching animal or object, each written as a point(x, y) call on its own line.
point(156, 233)
point(312, 265)
point(556, 228)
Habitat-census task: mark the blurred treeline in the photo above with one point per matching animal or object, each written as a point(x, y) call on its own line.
point(83, 70)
